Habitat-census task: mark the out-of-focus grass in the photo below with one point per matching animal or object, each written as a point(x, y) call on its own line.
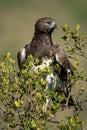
point(17, 19)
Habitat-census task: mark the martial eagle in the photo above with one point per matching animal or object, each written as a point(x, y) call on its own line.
point(41, 46)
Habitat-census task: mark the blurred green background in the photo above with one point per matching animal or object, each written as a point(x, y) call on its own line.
point(17, 19)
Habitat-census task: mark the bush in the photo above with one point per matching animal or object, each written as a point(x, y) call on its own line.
point(24, 95)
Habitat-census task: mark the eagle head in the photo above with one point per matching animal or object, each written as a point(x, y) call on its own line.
point(45, 25)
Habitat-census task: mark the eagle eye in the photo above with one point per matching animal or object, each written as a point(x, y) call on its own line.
point(47, 23)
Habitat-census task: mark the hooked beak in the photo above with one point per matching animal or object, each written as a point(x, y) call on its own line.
point(53, 25)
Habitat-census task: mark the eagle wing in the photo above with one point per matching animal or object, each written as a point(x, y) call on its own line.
point(21, 55)
point(61, 58)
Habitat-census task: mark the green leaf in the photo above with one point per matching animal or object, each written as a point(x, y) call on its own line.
point(77, 27)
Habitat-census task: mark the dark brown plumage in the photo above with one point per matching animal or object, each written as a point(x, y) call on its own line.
point(42, 45)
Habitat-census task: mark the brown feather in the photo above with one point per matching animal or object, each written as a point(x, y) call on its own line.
point(42, 45)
